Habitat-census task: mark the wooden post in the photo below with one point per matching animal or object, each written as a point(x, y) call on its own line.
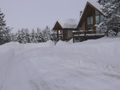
point(57, 34)
point(94, 20)
point(73, 38)
point(85, 35)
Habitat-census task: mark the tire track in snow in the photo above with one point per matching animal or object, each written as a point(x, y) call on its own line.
point(16, 78)
point(34, 85)
point(8, 62)
point(91, 75)
point(36, 80)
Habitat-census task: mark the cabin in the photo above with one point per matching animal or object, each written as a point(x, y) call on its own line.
point(64, 28)
point(90, 18)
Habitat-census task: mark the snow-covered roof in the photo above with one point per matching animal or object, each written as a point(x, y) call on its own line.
point(68, 23)
point(95, 4)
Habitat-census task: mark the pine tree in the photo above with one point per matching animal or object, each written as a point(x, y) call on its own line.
point(27, 35)
point(53, 36)
point(19, 36)
point(33, 36)
point(4, 31)
point(39, 36)
point(111, 25)
point(46, 34)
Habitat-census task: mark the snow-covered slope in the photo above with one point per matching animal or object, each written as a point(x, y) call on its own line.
point(89, 65)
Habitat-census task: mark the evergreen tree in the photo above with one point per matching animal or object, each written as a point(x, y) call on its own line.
point(111, 25)
point(4, 31)
point(39, 35)
point(33, 37)
point(53, 36)
point(46, 34)
point(26, 36)
point(19, 36)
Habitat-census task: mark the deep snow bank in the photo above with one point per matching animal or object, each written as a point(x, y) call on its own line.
point(101, 54)
point(18, 47)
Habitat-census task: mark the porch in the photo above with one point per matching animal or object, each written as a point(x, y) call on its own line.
point(64, 34)
point(85, 35)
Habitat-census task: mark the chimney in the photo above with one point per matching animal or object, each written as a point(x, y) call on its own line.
point(80, 13)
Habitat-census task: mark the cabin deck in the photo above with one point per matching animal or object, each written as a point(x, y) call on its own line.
point(85, 35)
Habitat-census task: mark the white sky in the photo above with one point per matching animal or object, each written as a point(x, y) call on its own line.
point(39, 13)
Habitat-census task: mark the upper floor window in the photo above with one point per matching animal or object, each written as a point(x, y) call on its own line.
point(90, 20)
point(99, 17)
point(90, 23)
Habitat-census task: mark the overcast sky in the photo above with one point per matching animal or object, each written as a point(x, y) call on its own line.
point(39, 13)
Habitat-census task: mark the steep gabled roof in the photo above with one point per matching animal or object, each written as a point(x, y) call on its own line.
point(57, 26)
point(94, 4)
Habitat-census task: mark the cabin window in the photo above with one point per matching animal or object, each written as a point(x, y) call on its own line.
point(90, 23)
point(99, 17)
point(90, 20)
point(65, 34)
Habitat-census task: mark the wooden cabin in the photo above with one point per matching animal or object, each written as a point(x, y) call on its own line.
point(91, 16)
point(85, 28)
point(64, 28)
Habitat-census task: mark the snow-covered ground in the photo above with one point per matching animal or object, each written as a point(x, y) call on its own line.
point(89, 65)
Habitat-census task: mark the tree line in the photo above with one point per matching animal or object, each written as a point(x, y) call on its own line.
point(24, 35)
point(34, 36)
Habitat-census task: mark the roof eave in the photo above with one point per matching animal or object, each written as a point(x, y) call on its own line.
point(55, 25)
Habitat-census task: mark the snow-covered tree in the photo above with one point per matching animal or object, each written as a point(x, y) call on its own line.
point(19, 36)
point(53, 36)
point(4, 31)
point(39, 36)
point(46, 34)
point(26, 36)
point(33, 36)
point(111, 25)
